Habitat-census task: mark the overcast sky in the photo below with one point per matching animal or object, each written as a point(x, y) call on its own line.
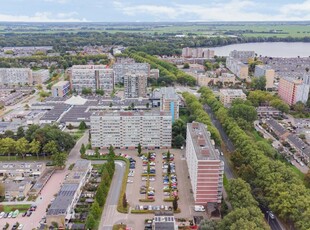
point(153, 10)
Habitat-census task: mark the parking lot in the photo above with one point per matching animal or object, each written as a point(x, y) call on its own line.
point(186, 200)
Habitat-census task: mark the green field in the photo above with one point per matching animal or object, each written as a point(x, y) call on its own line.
point(248, 29)
point(20, 207)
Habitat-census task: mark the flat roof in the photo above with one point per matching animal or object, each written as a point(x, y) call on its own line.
point(63, 200)
point(232, 92)
point(202, 142)
point(131, 113)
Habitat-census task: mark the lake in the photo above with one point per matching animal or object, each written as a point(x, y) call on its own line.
point(271, 49)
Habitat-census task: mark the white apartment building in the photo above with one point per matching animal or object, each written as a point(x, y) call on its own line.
point(135, 85)
point(14, 76)
point(242, 56)
point(121, 69)
point(197, 53)
point(93, 77)
point(204, 165)
point(237, 67)
point(228, 95)
point(127, 129)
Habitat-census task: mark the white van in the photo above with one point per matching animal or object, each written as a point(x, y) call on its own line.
point(199, 208)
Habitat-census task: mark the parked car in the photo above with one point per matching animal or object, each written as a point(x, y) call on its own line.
point(29, 213)
point(2, 214)
point(10, 215)
point(20, 227)
point(14, 227)
point(271, 215)
point(24, 214)
point(199, 208)
point(6, 215)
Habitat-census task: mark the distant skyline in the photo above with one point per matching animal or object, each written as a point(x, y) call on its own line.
point(153, 11)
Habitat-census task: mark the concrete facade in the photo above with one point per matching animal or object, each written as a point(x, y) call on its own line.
point(15, 76)
point(228, 95)
point(237, 67)
point(61, 89)
point(121, 69)
point(268, 72)
point(126, 130)
point(204, 165)
point(135, 85)
point(93, 77)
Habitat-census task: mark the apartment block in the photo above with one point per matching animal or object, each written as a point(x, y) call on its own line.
point(40, 76)
point(242, 56)
point(266, 71)
point(154, 73)
point(204, 165)
point(62, 208)
point(237, 67)
point(121, 69)
point(15, 76)
point(135, 85)
point(167, 99)
point(228, 95)
point(93, 77)
point(61, 89)
point(197, 53)
point(292, 90)
point(126, 130)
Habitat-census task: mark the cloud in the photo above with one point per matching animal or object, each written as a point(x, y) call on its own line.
point(233, 10)
point(42, 17)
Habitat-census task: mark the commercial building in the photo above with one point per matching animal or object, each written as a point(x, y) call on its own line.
point(266, 71)
point(62, 208)
point(135, 85)
point(237, 67)
point(15, 76)
point(126, 130)
point(228, 95)
point(292, 90)
point(93, 77)
point(168, 100)
point(204, 165)
point(122, 69)
point(61, 89)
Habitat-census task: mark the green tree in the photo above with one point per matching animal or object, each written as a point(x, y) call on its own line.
point(100, 92)
point(299, 107)
point(51, 148)
point(34, 147)
point(7, 146)
point(259, 83)
point(207, 224)
point(9, 134)
point(59, 159)
point(2, 190)
point(82, 125)
point(139, 149)
point(22, 146)
point(90, 222)
point(178, 141)
point(83, 149)
point(186, 66)
point(243, 111)
point(100, 196)
point(124, 201)
point(95, 210)
point(20, 132)
point(97, 153)
point(86, 91)
point(175, 203)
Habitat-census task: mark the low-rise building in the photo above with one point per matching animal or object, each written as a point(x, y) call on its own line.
point(61, 89)
point(164, 220)
point(228, 95)
point(62, 208)
point(205, 167)
point(127, 129)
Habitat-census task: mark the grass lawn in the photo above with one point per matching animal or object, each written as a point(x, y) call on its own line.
point(20, 207)
point(225, 182)
point(78, 134)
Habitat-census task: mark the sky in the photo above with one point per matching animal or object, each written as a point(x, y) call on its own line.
point(153, 10)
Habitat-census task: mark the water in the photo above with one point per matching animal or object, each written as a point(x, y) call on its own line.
point(271, 49)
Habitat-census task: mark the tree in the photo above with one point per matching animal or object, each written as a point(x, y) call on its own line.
point(51, 148)
point(178, 141)
point(207, 224)
point(90, 222)
point(307, 177)
point(59, 159)
point(175, 203)
point(259, 83)
point(111, 154)
point(168, 156)
point(86, 91)
point(100, 196)
point(20, 132)
point(22, 146)
point(2, 190)
point(97, 153)
point(83, 149)
point(100, 92)
point(9, 133)
point(95, 210)
point(299, 107)
point(186, 66)
point(124, 201)
point(139, 149)
point(7, 146)
point(82, 125)
point(243, 111)
point(70, 126)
